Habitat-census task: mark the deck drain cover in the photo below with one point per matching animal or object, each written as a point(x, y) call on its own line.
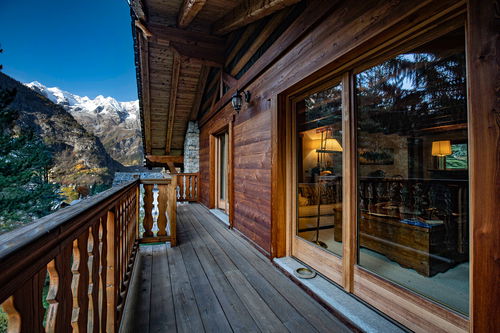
point(305, 273)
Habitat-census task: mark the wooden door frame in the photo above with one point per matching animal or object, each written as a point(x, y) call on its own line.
point(227, 127)
point(389, 297)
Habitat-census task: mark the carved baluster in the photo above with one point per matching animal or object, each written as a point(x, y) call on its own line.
point(24, 308)
point(59, 296)
point(148, 210)
point(80, 283)
point(188, 187)
point(162, 209)
point(103, 247)
point(94, 288)
point(13, 316)
point(77, 283)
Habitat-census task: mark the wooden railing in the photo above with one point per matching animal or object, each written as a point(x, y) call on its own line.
point(165, 210)
point(81, 258)
point(188, 187)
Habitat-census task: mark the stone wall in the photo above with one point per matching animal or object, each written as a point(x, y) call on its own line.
point(122, 177)
point(192, 148)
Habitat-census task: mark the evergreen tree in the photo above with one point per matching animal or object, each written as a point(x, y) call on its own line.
point(25, 193)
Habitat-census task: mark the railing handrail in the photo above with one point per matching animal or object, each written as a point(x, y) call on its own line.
point(156, 181)
point(15, 240)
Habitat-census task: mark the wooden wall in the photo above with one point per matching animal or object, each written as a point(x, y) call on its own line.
point(349, 29)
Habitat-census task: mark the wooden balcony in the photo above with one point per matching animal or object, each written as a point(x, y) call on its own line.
point(215, 281)
point(99, 267)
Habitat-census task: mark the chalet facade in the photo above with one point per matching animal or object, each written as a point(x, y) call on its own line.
point(358, 140)
point(359, 137)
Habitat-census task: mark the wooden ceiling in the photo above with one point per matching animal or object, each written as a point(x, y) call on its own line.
point(177, 44)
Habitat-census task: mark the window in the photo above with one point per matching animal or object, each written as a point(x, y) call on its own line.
point(412, 198)
point(319, 169)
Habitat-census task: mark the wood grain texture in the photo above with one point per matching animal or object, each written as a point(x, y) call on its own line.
point(215, 282)
point(411, 310)
point(248, 12)
point(349, 174)
point(483, 46)
point(189, 10)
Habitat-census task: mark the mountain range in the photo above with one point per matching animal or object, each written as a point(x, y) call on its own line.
point(116, 124)
point(79, 157)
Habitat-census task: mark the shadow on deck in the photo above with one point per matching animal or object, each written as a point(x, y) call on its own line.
point(215, 281)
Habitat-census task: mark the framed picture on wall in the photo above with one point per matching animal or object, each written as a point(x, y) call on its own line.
point(379, 156)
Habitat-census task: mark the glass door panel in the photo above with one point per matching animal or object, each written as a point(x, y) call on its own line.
point(413, 177)
point(319, 169)
point(222, 152)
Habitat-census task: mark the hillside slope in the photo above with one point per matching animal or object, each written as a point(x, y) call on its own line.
point(115, 123)
point(79, 157)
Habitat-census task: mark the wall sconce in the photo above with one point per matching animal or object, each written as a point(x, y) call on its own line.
point(237, 100)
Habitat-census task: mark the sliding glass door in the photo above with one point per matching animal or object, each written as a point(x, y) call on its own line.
point(379, 179)
point(413, 170)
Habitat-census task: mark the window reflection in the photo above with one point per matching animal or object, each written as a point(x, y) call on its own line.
point(319, 172)
point(412, 170)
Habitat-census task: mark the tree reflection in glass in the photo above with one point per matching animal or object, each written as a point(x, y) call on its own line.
point(412, 170)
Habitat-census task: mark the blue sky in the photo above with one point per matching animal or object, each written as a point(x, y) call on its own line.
point(81, 46)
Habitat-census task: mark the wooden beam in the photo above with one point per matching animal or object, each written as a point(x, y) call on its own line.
point(259, 40)
point(248, 12)
point(145, 32)
point(165, 159)
point(174, 84)
point(138, 9)
point(171, 167)
point(189, 10)
point(145, 90)
point(291, 35)
point(483, 80)
point(241, 41)
point(200, 39)
point(228, 79)
point(200, 88)
point(208, 49)
point(209, 57)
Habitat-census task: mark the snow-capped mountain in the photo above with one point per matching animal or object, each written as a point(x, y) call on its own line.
point(116, 123)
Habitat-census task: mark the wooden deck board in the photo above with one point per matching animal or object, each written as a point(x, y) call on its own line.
point(290, 318)
point(212, 315)
point(144, 298)
point(236, 312)
point(315, 314)
point(214, 281)
point(187, 316)
point(162, 319)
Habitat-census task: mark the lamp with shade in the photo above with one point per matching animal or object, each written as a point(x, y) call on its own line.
point(441, 149)
point(327, 145)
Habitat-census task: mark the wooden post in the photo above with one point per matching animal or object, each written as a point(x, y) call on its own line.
point(483, 46)
point(349, 188)
point(172, 198)
point(110, 273)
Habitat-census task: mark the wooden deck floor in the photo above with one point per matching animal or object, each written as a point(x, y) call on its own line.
point(214, 281)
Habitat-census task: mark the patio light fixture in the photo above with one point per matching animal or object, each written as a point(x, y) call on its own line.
point(237, 99)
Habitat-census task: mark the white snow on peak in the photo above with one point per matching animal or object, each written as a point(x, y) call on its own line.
point(103, 106)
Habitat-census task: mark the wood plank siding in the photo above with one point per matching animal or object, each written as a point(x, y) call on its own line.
point(368, 24)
